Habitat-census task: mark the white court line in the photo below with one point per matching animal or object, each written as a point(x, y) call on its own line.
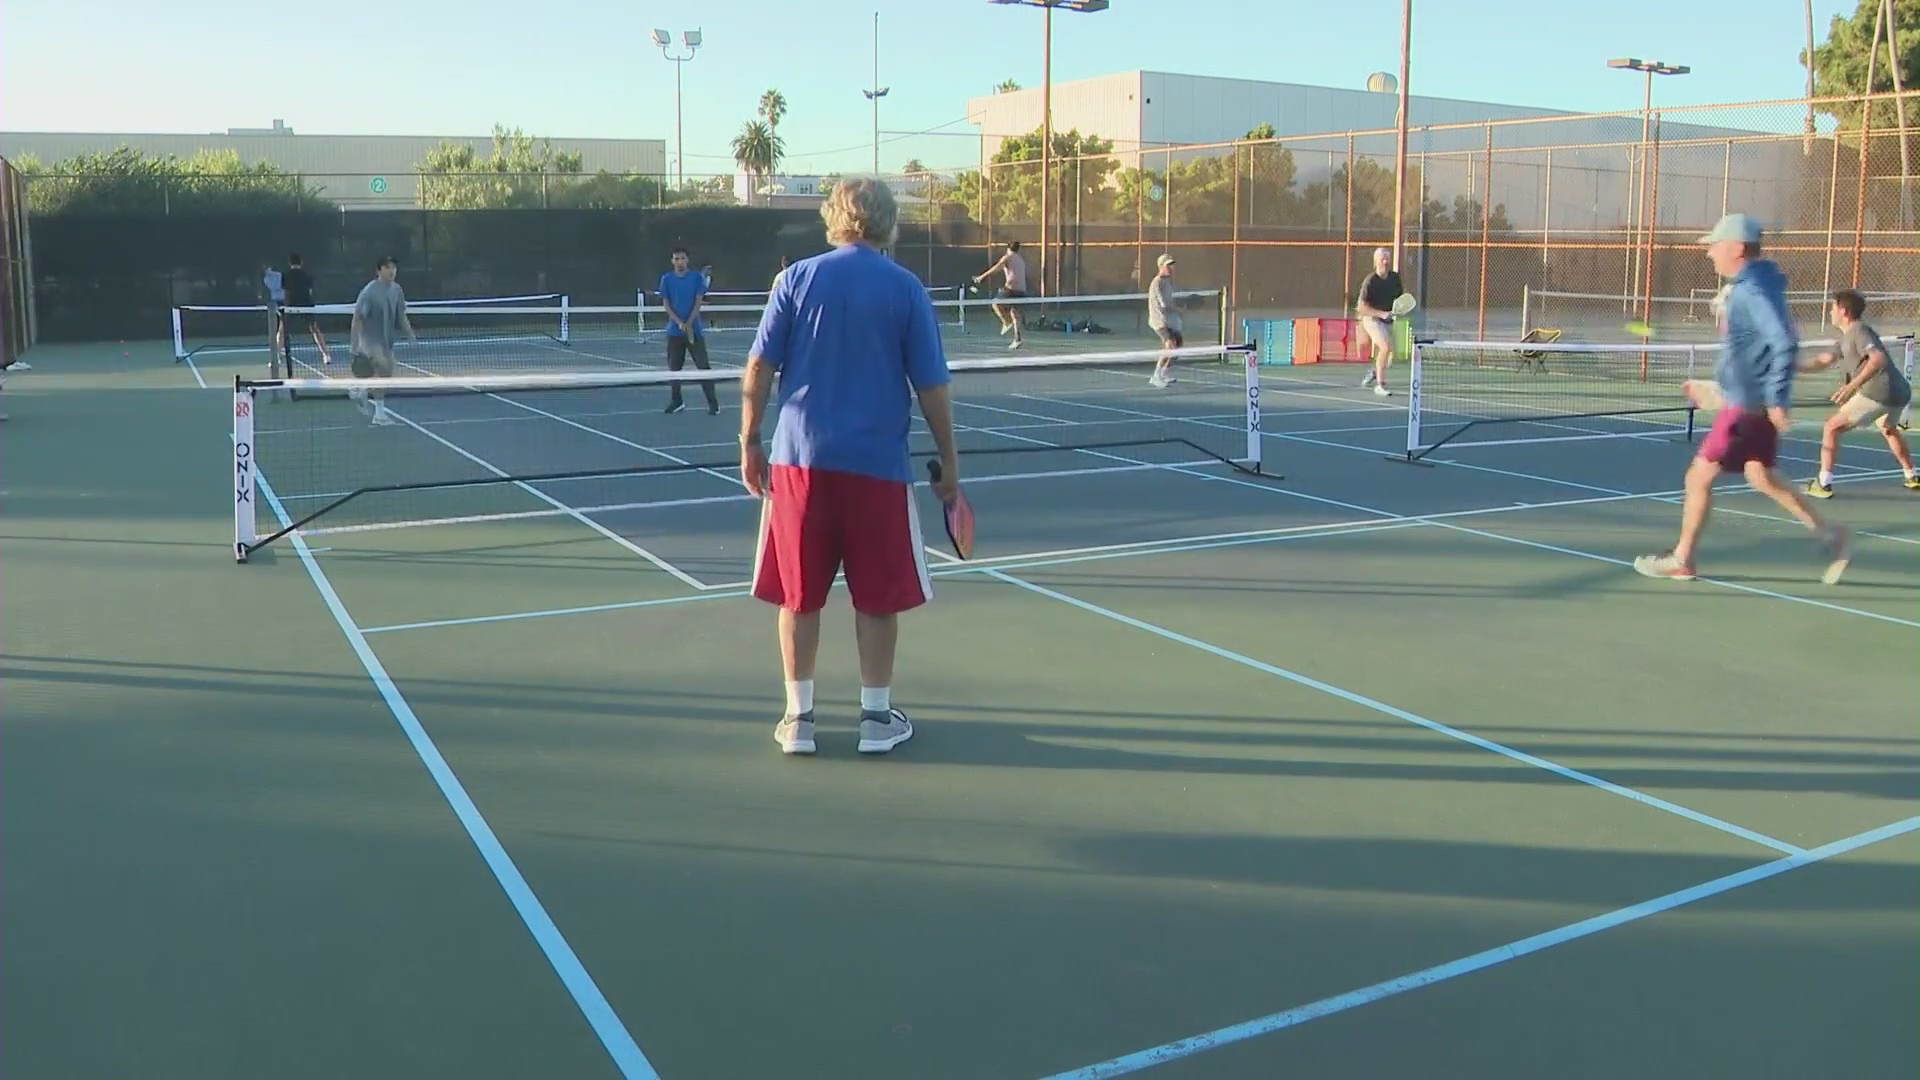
point(1480, 961)
point(678, 574)
point(586, 994)
point(740, 588)
point(195, 368)
point(1397, 713)
point(1754, 590)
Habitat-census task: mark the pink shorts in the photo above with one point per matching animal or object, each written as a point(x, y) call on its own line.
point(1738, 437)
point(815, 522)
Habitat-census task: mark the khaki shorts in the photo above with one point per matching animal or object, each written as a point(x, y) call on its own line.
point(377, 365)
point(1860, 409)
point(1378, 330)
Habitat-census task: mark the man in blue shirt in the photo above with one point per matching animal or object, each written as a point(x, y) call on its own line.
point(681, 293)
point(852, 337)
point(1754, 375)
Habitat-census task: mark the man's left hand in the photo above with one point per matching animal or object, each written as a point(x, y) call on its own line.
point(1840, 396)
point(753, 467)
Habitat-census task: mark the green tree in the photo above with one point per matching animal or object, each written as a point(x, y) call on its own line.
point(773, 109)
point(1005, 86)
point(521, 171)
point(1201, 190)
point(127, 181)
point(757, 150)
point(1840, 62)
point(930, 186)
point(1010, 189)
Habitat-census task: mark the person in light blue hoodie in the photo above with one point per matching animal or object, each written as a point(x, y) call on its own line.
point(1754, 377)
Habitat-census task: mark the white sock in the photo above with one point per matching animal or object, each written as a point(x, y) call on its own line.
point(876, 698)
point(1908, 472)
point(1826, 478)
point(800, 697)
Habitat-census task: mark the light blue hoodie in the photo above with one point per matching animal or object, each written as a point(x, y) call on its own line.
point(1759, 345)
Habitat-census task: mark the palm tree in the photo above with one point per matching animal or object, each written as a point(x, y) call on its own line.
point(1007, 86)
point(757, 150)
point(773, 109)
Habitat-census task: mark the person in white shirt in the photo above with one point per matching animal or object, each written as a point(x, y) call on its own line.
point(1163, 315)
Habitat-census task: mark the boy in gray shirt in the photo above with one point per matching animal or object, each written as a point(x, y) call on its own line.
point(379, 318)
point(1875, 390)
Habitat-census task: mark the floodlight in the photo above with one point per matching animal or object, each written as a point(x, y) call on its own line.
point(662, 38)
point(690, 38)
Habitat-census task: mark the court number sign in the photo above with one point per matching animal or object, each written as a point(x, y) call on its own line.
point(377, 185)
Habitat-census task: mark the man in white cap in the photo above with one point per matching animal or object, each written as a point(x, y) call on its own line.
point(1754, 376)
point(1378, 291)
point(1163, 315)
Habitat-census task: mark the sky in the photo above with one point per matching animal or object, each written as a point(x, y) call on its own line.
point(587, 68)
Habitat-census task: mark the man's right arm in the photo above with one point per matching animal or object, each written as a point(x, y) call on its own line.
point(997, 264)
point(926, 364)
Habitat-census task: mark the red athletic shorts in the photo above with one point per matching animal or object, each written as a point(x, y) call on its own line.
point(1738, 437)
point(817, 521)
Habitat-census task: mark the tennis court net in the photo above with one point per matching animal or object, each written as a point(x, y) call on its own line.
point(1604, 317)
point(580, 445)
point(510, 339)
point(212, 329)
point(1565, 392)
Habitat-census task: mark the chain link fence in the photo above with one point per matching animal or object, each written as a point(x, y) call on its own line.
point(1587, 220)
point(17, 329)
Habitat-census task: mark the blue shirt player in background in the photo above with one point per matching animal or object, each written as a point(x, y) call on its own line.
point(681, 293)
point(852, 337)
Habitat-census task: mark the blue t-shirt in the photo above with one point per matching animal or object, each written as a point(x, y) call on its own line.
point(678, 292)
point(852, 335)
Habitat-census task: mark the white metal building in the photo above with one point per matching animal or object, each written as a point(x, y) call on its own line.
point(1142, 111)
point(343, 167)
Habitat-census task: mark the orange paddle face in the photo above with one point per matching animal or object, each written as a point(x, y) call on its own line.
point(958, 515)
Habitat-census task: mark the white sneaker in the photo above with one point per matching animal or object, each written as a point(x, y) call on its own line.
point(1381, 391)
point(1016, 343)
point(794, 734)
point(1156, 380)
point(381, 417)
point(882, 731)
point(1367, 380)
point(1006, 328)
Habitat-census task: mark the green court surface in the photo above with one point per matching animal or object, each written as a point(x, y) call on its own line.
point(1374, 770)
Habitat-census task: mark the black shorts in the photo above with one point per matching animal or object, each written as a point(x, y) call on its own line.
point(299, 322)
point(1171, 338)
point(1011, 294)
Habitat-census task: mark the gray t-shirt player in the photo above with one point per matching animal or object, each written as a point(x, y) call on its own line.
point(380, 311)
point(1889, 385)
point(1163, 313)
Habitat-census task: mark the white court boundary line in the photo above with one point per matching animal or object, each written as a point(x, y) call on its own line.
point(1068, 556)
point(678, 574)
point(1384, 709)
point(1717, 582)
point(1266, 1025)
point(573, 975)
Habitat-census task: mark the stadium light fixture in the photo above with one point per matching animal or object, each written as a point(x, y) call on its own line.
point(1046, 105)
point(1635, 212)
point(691, 39)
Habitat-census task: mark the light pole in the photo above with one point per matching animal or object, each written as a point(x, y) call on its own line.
point(691, 39)
point(1046, 107)
point(1634, 209)
point(874, 95)
point(1400, 144)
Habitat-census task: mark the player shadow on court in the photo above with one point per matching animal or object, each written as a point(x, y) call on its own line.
point(1029, 746)
point(1470, 870)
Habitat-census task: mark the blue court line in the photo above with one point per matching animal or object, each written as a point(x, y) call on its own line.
point(1382, 707)
point(573, 974)
point(1480, 961)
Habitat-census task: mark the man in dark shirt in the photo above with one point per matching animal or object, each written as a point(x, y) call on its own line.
point(1378, 291)
point(298, 285)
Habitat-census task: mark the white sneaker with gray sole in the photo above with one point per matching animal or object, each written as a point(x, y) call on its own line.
point(882, 731)
point(794, 734)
